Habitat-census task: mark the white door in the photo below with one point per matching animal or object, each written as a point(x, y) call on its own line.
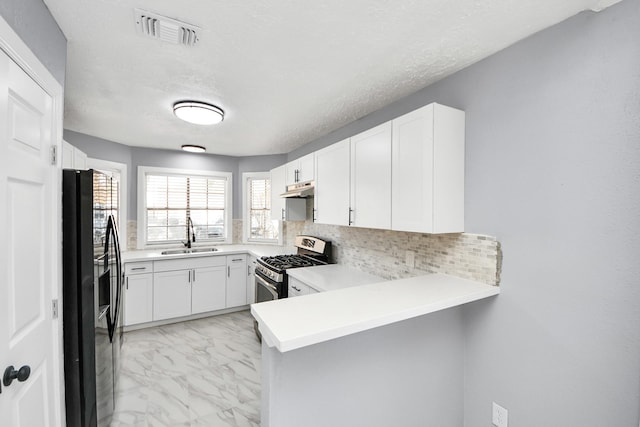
point(331, 199)
point(28, 229)
point(371, 178)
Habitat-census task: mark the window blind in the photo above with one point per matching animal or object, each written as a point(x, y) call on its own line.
point(172, 199)
point(261, 227)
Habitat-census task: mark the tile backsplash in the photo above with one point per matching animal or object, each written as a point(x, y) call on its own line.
point(384, 253)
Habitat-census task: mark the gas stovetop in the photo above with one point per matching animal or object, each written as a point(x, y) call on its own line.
point(311, 251)
point(283, 262)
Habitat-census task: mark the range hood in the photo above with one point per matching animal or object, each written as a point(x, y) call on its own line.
point(301, 190)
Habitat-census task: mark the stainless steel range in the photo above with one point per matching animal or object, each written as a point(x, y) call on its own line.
point(271, 272)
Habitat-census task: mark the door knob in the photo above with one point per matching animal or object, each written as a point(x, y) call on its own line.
point(11, 374)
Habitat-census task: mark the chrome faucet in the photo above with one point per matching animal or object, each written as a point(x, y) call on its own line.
point(191, 234)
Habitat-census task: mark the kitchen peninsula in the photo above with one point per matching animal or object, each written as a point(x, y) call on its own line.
point(366, 355)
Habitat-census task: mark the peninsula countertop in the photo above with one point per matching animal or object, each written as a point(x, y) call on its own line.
point(292, 323)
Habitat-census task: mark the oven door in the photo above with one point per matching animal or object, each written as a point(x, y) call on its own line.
point(265, 290)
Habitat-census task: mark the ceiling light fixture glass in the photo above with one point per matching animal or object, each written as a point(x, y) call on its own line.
point(198, 113)
point(194, 148)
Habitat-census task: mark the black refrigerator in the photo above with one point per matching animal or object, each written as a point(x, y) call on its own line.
point(92, 296)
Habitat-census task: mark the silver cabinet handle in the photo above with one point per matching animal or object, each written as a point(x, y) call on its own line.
point(138, 268)
point(283, 213)
point(228, 271)
point(298, 290)
point(189, 276)
point(248, 270)
point(236, 259)
point(314, 214)
point(194, 275)
point(127, 283)
point(350, 212)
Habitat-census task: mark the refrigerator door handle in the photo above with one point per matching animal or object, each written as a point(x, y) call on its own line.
point(112, 234)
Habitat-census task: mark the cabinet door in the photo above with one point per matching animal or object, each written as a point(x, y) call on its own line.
point(138, 299)
point(236, 280)
point(331, 200)
point(291, 172)
point(171, 294)
point(371, 178)
point(412, 154)
point(251, 280)
point(277, 187)
point(428, 170)
point(208, 289)
point(67, 155)
point(306, 168)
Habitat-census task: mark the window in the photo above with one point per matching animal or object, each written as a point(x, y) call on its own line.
point(258, 225)
point(117, 171)
point(172, 197)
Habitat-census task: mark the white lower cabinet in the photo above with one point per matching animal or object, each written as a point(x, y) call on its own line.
point(236, 280)
point(251, 279)
point(172, 294)
point(208, 289)
point(188, 286)
point(298, 288)
point(167, 289)
point(138, 293)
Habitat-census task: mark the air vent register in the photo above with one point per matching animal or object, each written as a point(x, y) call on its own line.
point(166, 29)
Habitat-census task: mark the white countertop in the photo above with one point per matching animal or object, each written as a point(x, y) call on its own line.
point(292, 323)
point(332, 277)
point(257, 250)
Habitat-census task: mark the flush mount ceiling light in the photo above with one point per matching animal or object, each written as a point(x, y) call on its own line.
point(198, 113)
point(194, 148)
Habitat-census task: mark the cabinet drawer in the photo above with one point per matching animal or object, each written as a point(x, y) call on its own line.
point(297, 288)
point(138, 268)
point(187, 263)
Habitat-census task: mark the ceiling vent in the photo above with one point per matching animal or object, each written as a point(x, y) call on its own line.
point(165, 29)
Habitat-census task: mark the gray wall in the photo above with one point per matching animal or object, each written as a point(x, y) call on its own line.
point(33, 22)
point(383, 377)
point(552, 170)
point(134, 156)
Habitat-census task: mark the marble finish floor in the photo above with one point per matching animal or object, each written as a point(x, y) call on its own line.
point(203, 372)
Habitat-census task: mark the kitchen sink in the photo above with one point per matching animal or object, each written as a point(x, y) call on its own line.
point(198, 250)
point(188, 251)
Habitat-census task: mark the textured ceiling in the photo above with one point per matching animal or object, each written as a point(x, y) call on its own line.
point(285, 72)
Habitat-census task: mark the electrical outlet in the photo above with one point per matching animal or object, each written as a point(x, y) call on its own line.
point(410, 259)
point(500, 416)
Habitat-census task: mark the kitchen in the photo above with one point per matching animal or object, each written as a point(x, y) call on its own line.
point(540, 178)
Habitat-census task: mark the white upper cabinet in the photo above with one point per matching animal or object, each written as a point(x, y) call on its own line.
point(428, 170)
point(72, 158)
point(331, 199)
point(300, 170)
point(285, 209)
point(371, 178)
point(278, 187)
